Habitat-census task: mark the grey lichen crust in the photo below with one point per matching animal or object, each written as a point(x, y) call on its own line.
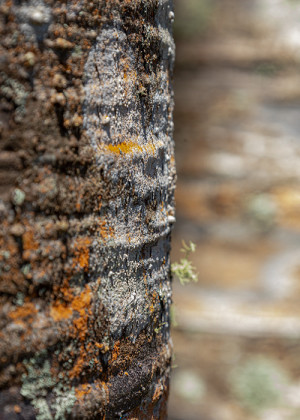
point(128, 118)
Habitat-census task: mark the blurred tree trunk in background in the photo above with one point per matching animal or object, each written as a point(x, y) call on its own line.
point(86, 207)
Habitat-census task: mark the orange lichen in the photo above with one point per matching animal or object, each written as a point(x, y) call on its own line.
point(152, 305)
point(82, 391)
point(103, 347)
point(79, 325)
point(17, 409)
point(66, 290)
point(105, 386)
point(116, 351)
point(27, 311)
point(83, 361)
point(85, 389)
point(81, 253)
point(79, 364)
point(81, 302)
point(102, 229)
point(60, 311)
point(79, 307)
point(78, 206)
point(28, 241)
point(99, 345)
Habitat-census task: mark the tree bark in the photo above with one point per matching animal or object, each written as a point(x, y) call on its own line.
point(86, 205)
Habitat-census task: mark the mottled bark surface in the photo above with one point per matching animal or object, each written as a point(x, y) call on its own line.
point(86, 207)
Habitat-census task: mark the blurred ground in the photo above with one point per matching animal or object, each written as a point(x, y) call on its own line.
point(237, 134)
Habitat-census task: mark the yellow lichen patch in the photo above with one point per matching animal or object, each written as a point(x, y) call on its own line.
point(60, 311)
point(82, 253)
point(130, 147)
point(26, 312)
point(125, 147)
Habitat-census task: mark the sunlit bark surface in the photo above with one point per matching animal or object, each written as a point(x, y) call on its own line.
point(86, 206)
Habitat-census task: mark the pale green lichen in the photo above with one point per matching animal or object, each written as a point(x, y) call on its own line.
point(5, 254)
point(42, 408)
point(14, 91)
point(38, 383)
point(77, 51)
point(18, 197)
point(26, 269)
point(184, 270)
point(19, 299)
point(64, 402)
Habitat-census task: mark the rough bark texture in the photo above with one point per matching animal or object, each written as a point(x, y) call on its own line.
point(86, 207)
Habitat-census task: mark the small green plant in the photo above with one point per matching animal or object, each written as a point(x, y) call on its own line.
point(184, 270)
point(158, 329)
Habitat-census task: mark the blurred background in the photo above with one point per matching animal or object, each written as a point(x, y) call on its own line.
point(236, 332)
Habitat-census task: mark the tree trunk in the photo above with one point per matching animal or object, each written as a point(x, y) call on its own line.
point(86, 205)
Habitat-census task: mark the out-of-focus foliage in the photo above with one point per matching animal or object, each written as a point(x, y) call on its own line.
point(184, 269)
point(194, 17)
point(259, 383)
